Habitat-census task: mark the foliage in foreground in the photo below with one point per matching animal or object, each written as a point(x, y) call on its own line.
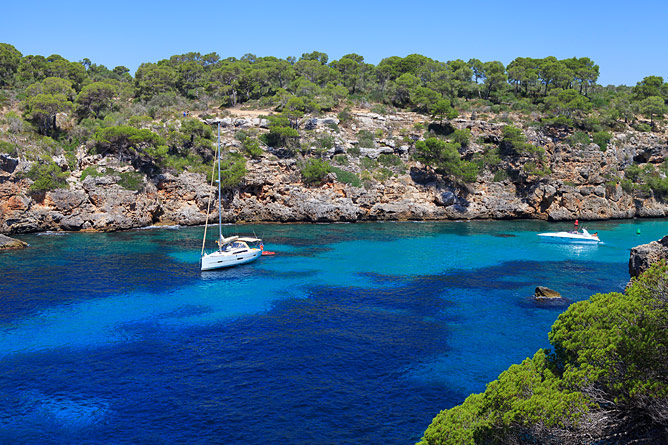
point(605, 382)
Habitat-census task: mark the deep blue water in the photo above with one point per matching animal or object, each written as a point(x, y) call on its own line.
point(352, 333)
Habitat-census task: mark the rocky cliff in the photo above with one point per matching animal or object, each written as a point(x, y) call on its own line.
point(643, 256)
point(583, 182)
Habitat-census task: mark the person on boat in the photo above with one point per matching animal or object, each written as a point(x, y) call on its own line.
point(575, 227)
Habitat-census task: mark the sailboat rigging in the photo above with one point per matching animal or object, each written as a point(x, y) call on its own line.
point(233, 250)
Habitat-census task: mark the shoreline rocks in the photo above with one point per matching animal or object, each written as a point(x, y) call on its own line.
point(644, 255)
point(11, 243)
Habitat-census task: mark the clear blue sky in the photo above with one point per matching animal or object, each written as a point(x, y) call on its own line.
point(628, 40)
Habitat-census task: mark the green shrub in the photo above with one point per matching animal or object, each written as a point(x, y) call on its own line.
point(628, 185)
point(91, 170)
point(345, 116)
point(332, 126)
point(578, 138)
point(445, 158)
point(354, 151)
point(602, 138)
point(515, 142)
point(232, 170)
point(252, 148)
point(280, 136)
point(341, 159)
point(346, 177)
point(128, 180)
point(633, 172)
point(531, 168)
point(9, 148)
point(500, 176)
point(462, 137)
point(389, 160)
point(325, 141)
point(314, 170)
point(368, 163)
point(365, 139)
point(382, 174)
point(558, 121)
point(46, 177)
point(131, 180)
point(379, 109)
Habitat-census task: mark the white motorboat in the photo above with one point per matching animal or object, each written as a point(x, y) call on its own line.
point(576, 237)
point(233, 250)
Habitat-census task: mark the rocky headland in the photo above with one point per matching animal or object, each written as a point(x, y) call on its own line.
point(643, 256)
point(583, 181)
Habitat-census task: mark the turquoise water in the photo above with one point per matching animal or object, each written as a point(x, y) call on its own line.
point(351, 333)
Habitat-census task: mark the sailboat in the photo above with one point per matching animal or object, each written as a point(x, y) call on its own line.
point(232, 250)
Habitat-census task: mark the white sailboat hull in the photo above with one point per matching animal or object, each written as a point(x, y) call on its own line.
point(222, 259)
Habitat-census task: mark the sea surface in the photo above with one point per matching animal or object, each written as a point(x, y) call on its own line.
point(350, 334)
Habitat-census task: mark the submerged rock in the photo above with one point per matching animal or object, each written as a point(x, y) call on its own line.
point(545, 293)
point(11, 243)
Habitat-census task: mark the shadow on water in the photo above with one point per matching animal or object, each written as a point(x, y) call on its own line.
point(330, 360)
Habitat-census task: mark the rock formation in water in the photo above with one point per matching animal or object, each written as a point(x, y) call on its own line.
point(11, 243)
point(545, 293)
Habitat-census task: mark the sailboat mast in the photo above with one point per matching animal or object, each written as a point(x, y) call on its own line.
point(220, 212)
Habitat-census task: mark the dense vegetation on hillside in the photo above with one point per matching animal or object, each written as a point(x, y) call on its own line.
point(112, 111)
point(605, 381)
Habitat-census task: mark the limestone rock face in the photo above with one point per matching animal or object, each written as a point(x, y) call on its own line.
point(643, 256)
point(581, 182)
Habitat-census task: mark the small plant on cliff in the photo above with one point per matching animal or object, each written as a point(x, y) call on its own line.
point(535, 169)
point(251, 147)
point(140, 146)
point(280, 133)
point(314, 170)
point(515, 142)
point(325, 141)
point(346, 177)
point(366, 139)
point(367, 163)
point(345, 116)
point(444, 158)
point(382, 174)
point(602, 139)
point(8, 147)
point(46, 177)
point(462, 137)
point(389, 160)
point(232, 170)
point(341, 159)
point(578, 138)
